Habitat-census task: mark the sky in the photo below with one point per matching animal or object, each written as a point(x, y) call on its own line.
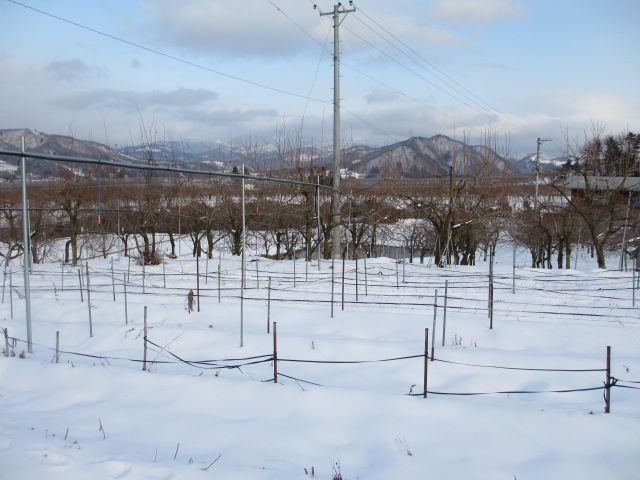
point(263, 69)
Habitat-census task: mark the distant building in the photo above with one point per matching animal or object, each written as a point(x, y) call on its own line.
point(599, 186)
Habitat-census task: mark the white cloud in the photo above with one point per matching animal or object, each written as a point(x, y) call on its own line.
point(477, 10)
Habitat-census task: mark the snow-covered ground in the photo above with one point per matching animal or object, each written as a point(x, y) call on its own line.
point(90, 417)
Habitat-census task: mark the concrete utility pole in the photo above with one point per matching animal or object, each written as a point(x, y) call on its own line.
point(335, 230)
point(539, 142)
point(26, 240)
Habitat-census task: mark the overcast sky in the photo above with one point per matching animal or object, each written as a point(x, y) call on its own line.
point(524, 68)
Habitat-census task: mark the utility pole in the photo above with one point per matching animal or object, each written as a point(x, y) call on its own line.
point(26, 247)
point(335, 229)
point(539, 142)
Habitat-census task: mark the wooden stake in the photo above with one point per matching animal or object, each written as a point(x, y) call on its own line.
point(89, 300)
point(275, 352)
point(144, 357)
point(607, 384)
point(426, 362)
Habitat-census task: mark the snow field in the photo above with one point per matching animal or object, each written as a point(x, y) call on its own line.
point(361, 418)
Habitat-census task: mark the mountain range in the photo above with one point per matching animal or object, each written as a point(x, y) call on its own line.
point(416, 157)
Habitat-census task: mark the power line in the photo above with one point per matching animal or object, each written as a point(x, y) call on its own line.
point(168, 55)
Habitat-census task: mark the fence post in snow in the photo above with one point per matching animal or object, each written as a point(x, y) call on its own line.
point(206, 271)
point(61, 279)
point(129, 269)
point(275, 353)
point(126, 313)
point(218, 282)
point(343, 263)
point(513, 274)
point(607, 384)
point(633, 282)
point(268, 304)
point(397, 278)
point(144, 354)
point(144, 275)
point(333, 270)
point(80, 286)
point(4, 280)
point(366, 288)
point(490, 303)
point(356, 255)
point(306, 270)
point(294, 269)
point(113, 281)
point(426, 362)
point(257, 275)
point(6, 341)
point(444, 317)
point(57, 346)
point(164, 274)
point(89, 300)
point(198, 274)
point(11, 293)
point(433, 333)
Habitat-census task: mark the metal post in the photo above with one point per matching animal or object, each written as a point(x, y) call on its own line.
point(164, 273)
point(198, 273)
point(490, 288)
point(538, 142)
point(366, 288)
point(113, 281)
point(607, 384)
point(633, 282)
point(343, 261)
point(89, 300)
point(397, 278)
point(80, 286)
point(275, 352)
point(294, 269)
point(333, 265)
point(57, 346)
point(126, 310)
point(218, 282)
point(26, 240)
point(179, 232)
point(61, 278)
point(11, 294)
point(444, 316)
point(242, 266)
point(433, 332)
point(513, 275)
point(144, 275)
point(335, 233)
point(403, 265)
point(4, 279)
point(356, 255)
point(144, 355)
point(268, 304)
point(206, 270)
point(318, 218)
point(257, 275)
point(426, 362)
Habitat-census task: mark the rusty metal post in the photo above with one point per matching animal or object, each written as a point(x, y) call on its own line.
point(607, 384)
point(426, 361)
